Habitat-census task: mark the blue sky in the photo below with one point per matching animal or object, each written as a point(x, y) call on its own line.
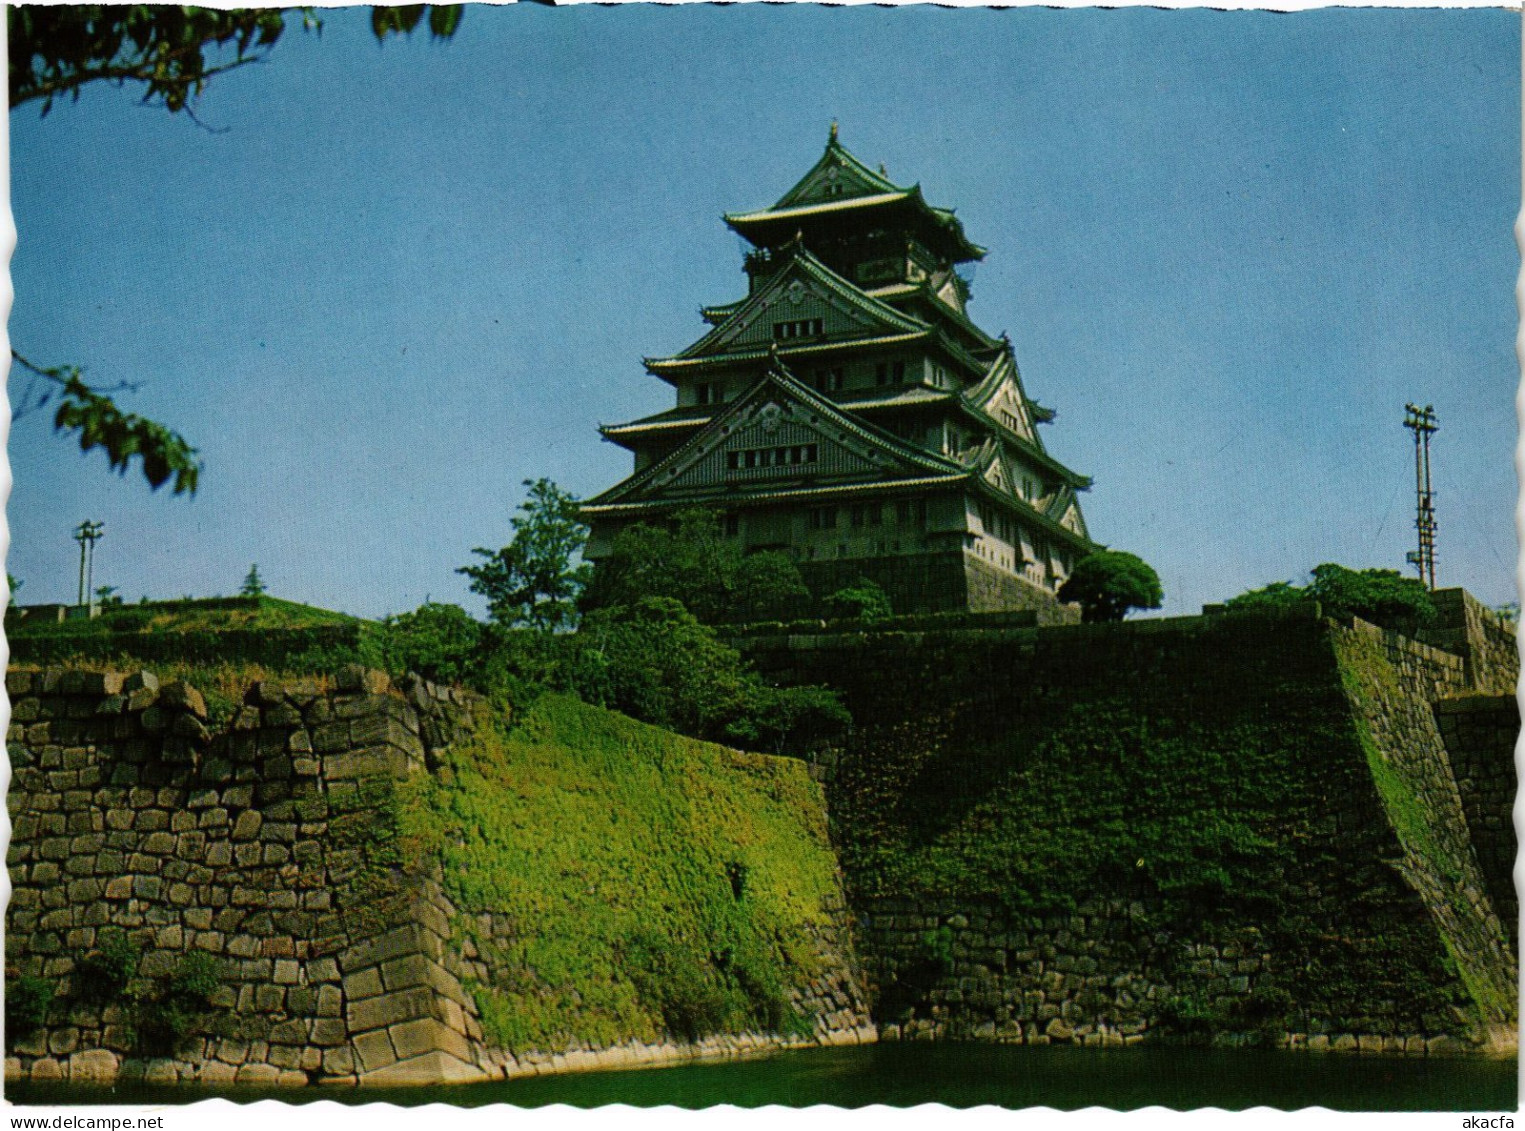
point(1227, 246)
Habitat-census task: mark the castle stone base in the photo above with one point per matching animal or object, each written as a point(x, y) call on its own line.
point(952, 581)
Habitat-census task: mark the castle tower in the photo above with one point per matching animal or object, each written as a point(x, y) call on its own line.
point(848, 412)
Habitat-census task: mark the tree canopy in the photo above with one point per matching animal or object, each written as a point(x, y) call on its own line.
point(1381, 596)
point(692, 561)
point(1108, 583)
point(536, 579)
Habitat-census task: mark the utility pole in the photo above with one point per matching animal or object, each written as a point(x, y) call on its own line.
point(87, 534)
point(1423, 423)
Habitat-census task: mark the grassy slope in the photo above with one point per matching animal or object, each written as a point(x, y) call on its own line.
point(611, 854)
point(209, 615)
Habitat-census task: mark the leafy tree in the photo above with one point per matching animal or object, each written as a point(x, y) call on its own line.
point(1108, 583)
point(1381, 596)
point(692, 561)
point(107, 595)
point(655, 661)
point(766, 585)
point(864, 601)
point(536, 579)
point(254, 584)
point(12, 585)
point(170, 52)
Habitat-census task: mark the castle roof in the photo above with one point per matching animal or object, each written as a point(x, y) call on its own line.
point(841, 190)
point(745, 333)
point(857, 454)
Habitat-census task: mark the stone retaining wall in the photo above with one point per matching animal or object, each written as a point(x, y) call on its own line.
point(1105, 976)
point(1376, 868)
point(1480, 733)
point(267, 841)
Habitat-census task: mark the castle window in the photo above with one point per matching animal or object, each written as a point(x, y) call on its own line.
point(709, 393)
point(889, 372)
point(732, 525)
point(822, 518)
point(909, 512)
point(869, 514)
point(791, 455)
point(827, 380)
point(799, 328)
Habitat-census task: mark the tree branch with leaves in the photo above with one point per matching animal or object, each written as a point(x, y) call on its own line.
point(92, 415)
point(56, 50)
point(171, 51)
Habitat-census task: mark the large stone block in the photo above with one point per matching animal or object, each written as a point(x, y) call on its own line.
point(389, 1009)
point(431, 1068)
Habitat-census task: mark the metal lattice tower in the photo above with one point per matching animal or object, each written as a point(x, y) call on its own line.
point(1423, 423)
point(87, 534)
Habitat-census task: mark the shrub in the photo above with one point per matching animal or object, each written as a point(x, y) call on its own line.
point(102, 975)
point(656, 662)
point(195, 979)
point(1382, 596)
point(863, 601)
point(183, 1007)
point(27, 999)
point(1275, 596)
point(440, 642)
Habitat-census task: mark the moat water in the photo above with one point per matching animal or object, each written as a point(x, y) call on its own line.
point(959, 1075)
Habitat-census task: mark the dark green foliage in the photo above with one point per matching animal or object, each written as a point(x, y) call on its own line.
point(439, 642)
point(766, 585)
point(536, 580)
point(786, 720)
point(183, 1007)
point(195, 979)
point(254, 584)
point(1275, 597)
point(1380, 596)
point(170, 51)
point(693, 561)
point(27, 1000)
point(95, 418)
point(864, 601)
point(1108, 583)
point(656, 662)
point(103, 974)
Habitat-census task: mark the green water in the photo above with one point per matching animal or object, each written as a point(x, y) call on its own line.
point(953, 1074)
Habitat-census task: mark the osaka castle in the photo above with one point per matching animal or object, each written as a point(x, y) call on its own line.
point(849, 413)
